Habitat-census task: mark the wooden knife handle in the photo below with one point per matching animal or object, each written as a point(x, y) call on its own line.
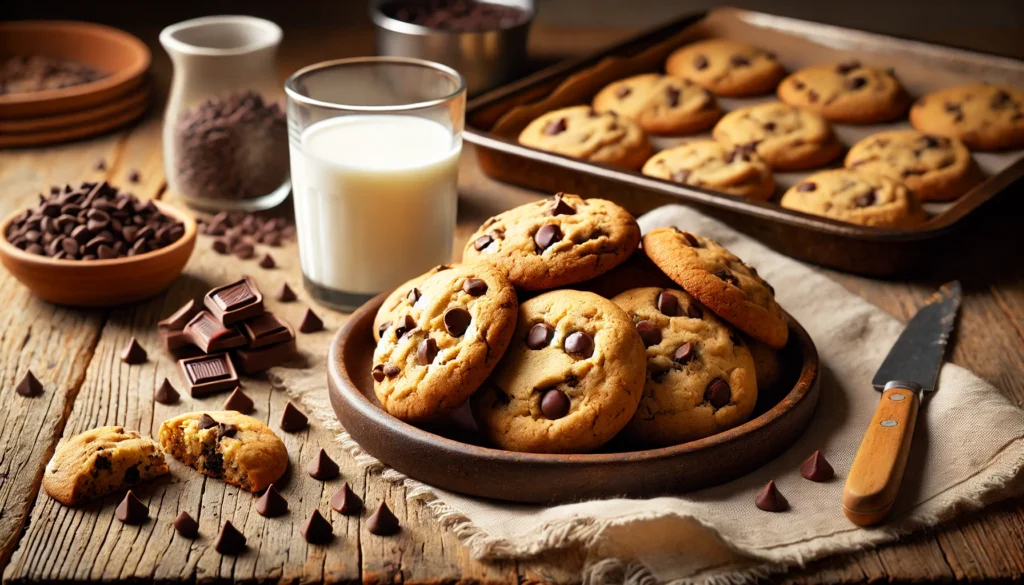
point(877, 470)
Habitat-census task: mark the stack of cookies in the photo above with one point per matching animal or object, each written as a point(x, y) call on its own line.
point(563, 333)
point(885, 177)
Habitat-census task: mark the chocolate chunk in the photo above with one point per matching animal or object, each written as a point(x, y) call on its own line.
point(622, 92)
point(426, 351)
point(229, 541)
point(560, 207)
point(382, 328)
point(220, 246)
point(239, 402)
point(812, 96)
point(186, 525)
point(226, 430)
point(345, 501)
point(770, 499)
point(413, 295)
point(856, 83)
point(806, 186)
point(131, 510)
point(844, 68)
point(267, 261)
point(555, 127)
point(691, 239)
point(482, 242)
point(322, 467)
point(673, 94)
point(815, 468)
point(272, 504)
point(649, 333)
point(1000, 100)
point(668, 304)
point(931, 141)
point(292, 419)
point(29, 387)
point(208, 374)
point(456, 321)
point(700, 62)
point(234, 302)
point(133, 353)
point(474, 287)
point(685, 353)
point(382, 522)
point(769, 126)
point(391, 370)
point(693, 311)
point(403, 325)
point(266, 329)
point(206, 422)
point(317, 530)
point(718, 393)
point(251, 361)
point(134, 176)
point(739, 61)
point(165, 393)
point(554, 404)
point(207, 333)
point(547, 234)
point(579, 344)
point(285, 294)
point(866, 200)
point(310, 322)
point(539, 336)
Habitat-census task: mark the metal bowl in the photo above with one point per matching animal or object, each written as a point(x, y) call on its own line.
point(485, 59)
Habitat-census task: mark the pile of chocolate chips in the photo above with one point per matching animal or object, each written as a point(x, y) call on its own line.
point(456, 15)
point(31, 73)
point(238, 232)
point(234, 147)
point(93, 221)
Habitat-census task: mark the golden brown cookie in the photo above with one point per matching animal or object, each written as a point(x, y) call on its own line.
point(403, 297)
point(721, 281)
point(856, 197)
point(99, 462)
point(984, 117)
point(710, 165)
point(786, 137)
point(934, 167)
point(581, 132)
point(661, 104)
point(849, 93)
point(570, 380)
point(726, 67)
point(767, 364)
point(226, 445)
point(555, 242)
point(439, 350)
point(700, 377)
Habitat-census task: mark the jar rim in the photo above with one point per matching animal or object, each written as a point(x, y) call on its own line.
point(271, 35)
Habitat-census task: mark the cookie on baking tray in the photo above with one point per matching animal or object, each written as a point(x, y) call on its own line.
point(726, 67)
point(984, 117)
point(441, 348)
point(99, 462)
point(555, 242)
point(226, 445)
point(661, 104)
point(856, 197)
point(849, 92)
point(583, 133)
point(786, 137)
point(700, 376)
point(571, 378)
point(721, 281)
point(734, 170)
point(936, 168)
point(403, 297)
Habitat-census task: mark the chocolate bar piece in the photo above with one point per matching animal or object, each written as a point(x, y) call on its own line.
point(178, 319)
point(206, 332)
point(251, 361)
point(234, 302)
point(208, 374)
point(266, 329)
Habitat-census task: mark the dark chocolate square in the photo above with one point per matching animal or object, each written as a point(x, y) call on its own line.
point(208, 374)
point(234, 302)
point(207, 333)
point(266, 329)
point(251, 361)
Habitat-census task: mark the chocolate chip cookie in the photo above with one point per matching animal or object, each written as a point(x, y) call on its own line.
point(734, 170)
point(226, 445)
point(984, 117)
point(661, 104)
point(936, 168)
point(99, 462)
point(767, 364)
point(571, 378)
point(583, 133)
point(441, 348)
point(726, 67)
point(401, 299)
point(555, 242)
point(786, 137)
point(700, 377)
point(849, 92)
point(856, 197)
point(721, 281)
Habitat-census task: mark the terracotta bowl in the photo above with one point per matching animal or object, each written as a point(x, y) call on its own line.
point(101, 283)
point(452, 454)
point(122, 56)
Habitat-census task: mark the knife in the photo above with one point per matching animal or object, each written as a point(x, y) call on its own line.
point(909, 371)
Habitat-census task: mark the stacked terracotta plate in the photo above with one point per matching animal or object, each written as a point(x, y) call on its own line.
point(47, 116)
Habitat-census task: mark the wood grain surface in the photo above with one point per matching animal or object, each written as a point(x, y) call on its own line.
point(75, 354)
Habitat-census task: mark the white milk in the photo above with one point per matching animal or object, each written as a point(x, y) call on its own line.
point(375, 200)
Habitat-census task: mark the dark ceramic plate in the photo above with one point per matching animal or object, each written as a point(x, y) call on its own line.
point(451, 454)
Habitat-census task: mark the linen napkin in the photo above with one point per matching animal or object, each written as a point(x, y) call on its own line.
point(967, 452)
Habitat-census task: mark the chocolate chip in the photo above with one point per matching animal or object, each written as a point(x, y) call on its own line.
point(812, 96)
point(378, 372)
point(560, 207)
point(382, 522)
point(382, 328)
point(101, 165)
point(345, 501)
point(555, 127)
point(403, 325)
point(131, 510)
point(806, 186)
point(649, 333)
point(727, 276)
point(693, 311)
point(673, 94)
point(413, 294)
point(691, 239)
point(856, 83)
point(1000, 100)
point(547, 234)
point(310, 322)
point(391, 370)
point(322, 467)
point(684, 353)
point(226, 430)
point(474, 287)
point(29, 387)
point(229, 541)
point(186, 525)
point(579, 344)
point(680, 175)
point(272, 504)
point(739, 61)
point(865, 200)
point(285, 294)
point(798, 85)
point(134, 176)
point(165, 393)
point(700, 62)
point(844, 68)
point(668, 304)
point(426, 351)
point(623, 92)
point(554, 404)
point(317, 530)
point(206, 422)
point(769, 126)
point(243, 250)
point(815, 468)
point(718, 393)
point(292, 419)
point(456, 321)
point(770, 499)
point(539, 336)
point(239, 402)
point(267, 261)
point(482, 242)
point(930, 141)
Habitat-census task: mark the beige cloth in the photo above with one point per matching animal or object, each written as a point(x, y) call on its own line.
point(967, 452)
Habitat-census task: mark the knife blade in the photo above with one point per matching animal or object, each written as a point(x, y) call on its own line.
point(907, 372)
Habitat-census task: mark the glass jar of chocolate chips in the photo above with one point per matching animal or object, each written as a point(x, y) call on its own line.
point(225, 134)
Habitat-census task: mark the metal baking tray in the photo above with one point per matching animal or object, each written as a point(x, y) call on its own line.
point(495, 120)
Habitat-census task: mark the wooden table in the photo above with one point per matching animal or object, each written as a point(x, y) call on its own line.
point(75, 354)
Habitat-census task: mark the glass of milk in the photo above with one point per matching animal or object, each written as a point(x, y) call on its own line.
point(375, 145)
